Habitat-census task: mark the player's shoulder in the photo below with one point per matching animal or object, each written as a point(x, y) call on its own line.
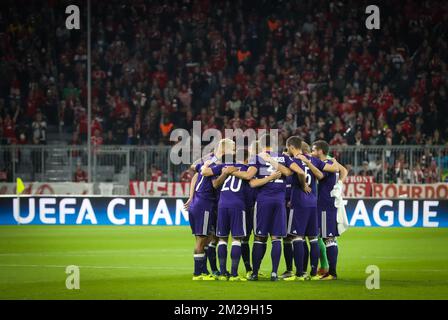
point(314, 159)
point(198, 166)
point(280, 157)
point(256, 160)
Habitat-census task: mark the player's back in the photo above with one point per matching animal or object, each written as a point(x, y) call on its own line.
point(325, 186)
point(289, 182)
point(203, 188)
point(233, 192)
point(300, 198)
point(251, 195)
point(273, 190)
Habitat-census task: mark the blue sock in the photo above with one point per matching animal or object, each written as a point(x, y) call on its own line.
point(276, 253)
point(332, 254)
point(211, 256)
point(298, 256)
point(306, 255)
point(287, 252)
point(235, 254)
point(258, 252)
point(245, 254)
point(222, 255)
point(314, 256)
point(199, 259)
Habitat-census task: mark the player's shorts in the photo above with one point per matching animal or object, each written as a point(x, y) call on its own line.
point(231, 220)
point(249, 220)
point(202, 218)
point(327, 221)
point(270, 219)
point(303, 222)
point(288, 213)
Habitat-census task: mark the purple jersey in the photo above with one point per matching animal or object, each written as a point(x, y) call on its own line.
point(251, 195)
point(273, 190)
point(289, 182)
point(325, 186)
point(299, 198)
point(203, 189)
point(233, 190)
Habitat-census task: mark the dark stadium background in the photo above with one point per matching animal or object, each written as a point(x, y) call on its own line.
point(305, 67)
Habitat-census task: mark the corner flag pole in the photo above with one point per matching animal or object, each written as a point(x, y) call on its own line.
point(20, 186)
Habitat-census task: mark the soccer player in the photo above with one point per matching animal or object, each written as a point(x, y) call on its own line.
point(303, 217)
point(326, 210)
point(287, 241)
point(201, 208)
point(251, 194)
point(231, 214)
point(306, 149)
point(269, 210)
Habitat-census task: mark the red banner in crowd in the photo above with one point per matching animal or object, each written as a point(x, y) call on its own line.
point(358, 186)
point(412, 191)
point(150, 188)
point(355, 187)
point(365, 187)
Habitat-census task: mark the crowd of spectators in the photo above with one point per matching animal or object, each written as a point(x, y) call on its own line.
point(304, 67)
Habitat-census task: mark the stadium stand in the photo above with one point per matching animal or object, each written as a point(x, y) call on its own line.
point(159, 65)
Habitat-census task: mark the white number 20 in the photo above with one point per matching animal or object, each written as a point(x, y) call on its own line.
point(229, 184)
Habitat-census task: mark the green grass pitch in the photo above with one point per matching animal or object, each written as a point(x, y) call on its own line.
point(156, 263)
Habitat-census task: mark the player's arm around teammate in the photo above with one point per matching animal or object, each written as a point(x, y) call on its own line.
point(275, 164)
point(191, 192)
point(246, 175)
point(256, 183)
point(226, 171)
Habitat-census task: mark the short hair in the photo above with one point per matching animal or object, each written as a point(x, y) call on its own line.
point(305, 147)
point(322, 145)
point(222, 143)
point(294, 141)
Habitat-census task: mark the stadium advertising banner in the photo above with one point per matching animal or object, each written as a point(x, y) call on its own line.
point(354, 187)
point(59, 210)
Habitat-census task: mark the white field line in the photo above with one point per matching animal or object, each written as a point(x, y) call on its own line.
point(97, 252)
point(91, 267)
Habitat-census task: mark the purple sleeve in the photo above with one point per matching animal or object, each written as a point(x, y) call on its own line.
point(288, 162)
point(197, 168)
point(325, 172)
point(217, 169)
point(319, 164)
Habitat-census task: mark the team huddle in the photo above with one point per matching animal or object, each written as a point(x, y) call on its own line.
point(290, 197)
